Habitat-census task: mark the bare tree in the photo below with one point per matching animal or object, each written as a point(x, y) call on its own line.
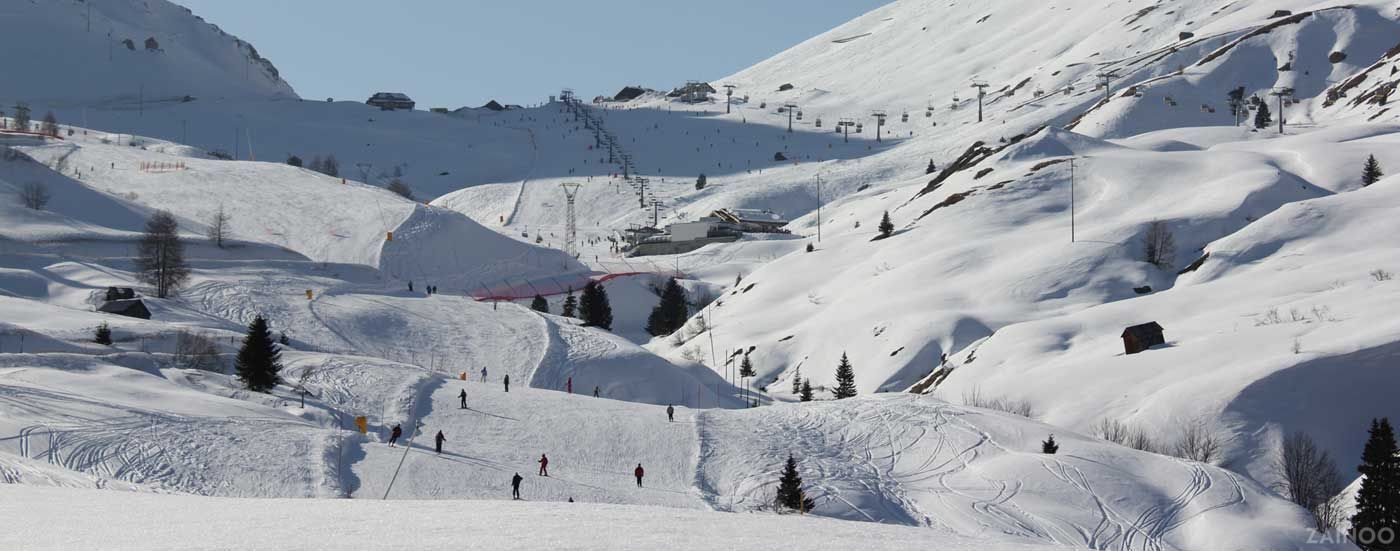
point(218, 227)
point(160, 258)
point(1198, 442)
point(34, 195)
point(196, 351)
point(1112, 430)
point(1139, 440)
point(1159, 245)
point(1309, 477)
point(397, 186)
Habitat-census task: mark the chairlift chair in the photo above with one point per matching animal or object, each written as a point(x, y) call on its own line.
point(819, 122)
point(904, 117)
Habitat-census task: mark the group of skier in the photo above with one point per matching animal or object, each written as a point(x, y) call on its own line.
point(440, 438)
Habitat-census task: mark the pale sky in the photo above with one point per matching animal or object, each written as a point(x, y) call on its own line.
point(451, 53)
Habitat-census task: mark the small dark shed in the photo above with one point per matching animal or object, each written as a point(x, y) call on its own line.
point(1142, 337)
point(132, 308)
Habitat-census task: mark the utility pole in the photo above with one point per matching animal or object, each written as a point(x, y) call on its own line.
point(880, 123)
point(790, 108)
point(819, 208)
point(728, 97)
point(846, 125)
point(655, 212)
point(570, 219)
point(1108, 77)
point(1071, 199)
point(1281, 93)
point(981, 93)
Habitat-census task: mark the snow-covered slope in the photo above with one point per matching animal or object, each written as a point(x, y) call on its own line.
point(95, 54)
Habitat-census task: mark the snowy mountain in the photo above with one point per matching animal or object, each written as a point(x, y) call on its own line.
point(1042, 232)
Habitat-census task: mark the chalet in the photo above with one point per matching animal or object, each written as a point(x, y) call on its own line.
point(629, 93)
point(693, 92)
point(131, 308)
point(752, 220)
point(120, 293)
point(681, 237)
point(1139, 338)
point(390, 101)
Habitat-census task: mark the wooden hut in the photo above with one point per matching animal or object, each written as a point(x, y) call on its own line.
point(1142, 337)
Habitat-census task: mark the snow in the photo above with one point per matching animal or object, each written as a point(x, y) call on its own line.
point(111, 521)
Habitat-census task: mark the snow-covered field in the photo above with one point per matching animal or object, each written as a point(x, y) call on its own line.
point(1010, 275)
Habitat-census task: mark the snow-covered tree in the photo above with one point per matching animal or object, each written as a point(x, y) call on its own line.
point(1262, 117)
point(790, 494)
point(259, 362)
point(1049, 446)
point(160, 256)
point(1378, 500)
point(806, 394)
point(594, 308)
point(845, 379)
point(1371, 173)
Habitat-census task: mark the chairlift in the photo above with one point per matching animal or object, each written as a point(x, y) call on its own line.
point(860, 127)
point(819, 122)
point(904, 117)
point(799, 114)
point(929, 113)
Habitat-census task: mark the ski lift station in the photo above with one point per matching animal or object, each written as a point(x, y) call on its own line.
point(721, 226)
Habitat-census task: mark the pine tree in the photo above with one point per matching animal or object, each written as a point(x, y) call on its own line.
point(570, 309)
point(670, 312)
point(1262, 118)
point(103, 335)
point(594, 307)
point(932, 168)
point(1049, 446)
point(806, 394)
point(746, 371)
point(160, 258)
point(1378, 500)
point(886, 226)
point(845, 379)
point(797, 381)
point(700, 182)
point(790, 494)
point(294, 160)
point(50, 125)
point(259, 361)
point(539, 304)
point(1372, 172)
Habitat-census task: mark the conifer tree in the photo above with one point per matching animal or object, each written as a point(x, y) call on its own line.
point(806, 394)
point(594, 307)
point(845, 379)
point(259, 361)
point(746, 371)
point(50, 125)
point(670, 312)
point(1263, 118)
point(700, 182)
point(1378, 500)
point(932, 168)
point(1371, 173)
point(570, 308)
point(1049, 446)
point(886, 226)
point(103, 335)
point(790, 494)
point(294, 160)
point(539, 304)
point(797, 381)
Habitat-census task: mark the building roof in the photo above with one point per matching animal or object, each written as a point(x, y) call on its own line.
point(390, 96)
point(1140, 332)
point(757, 216)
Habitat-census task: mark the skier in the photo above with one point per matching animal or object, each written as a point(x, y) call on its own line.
point(595, 392)
point(463, 396)
point(544, 465)
point(483, 374)
point(440, 439)
point(569, 385)
point(410, 286)
point(507, 382)
point(515, 486)
point(671, 413)
point(394, 435)
point(639, 472)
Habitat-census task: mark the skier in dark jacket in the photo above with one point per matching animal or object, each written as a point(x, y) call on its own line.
point(670, 413)
point(544, 465)
point(483, 374)
point(463, 396)
point(507, 381)
point(394, 435)
point(639, 472)
point(440, 439)
point(515, 486)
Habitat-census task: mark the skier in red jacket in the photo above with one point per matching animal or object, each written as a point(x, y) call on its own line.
point(639, 472)
point(544, 465)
